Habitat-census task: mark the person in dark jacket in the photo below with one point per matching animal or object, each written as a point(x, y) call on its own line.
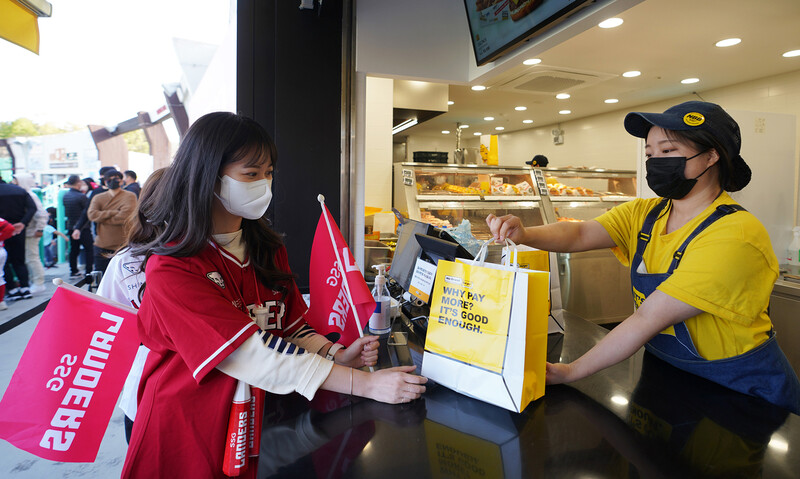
point(78, 226)
point(129, 180)
point(18, 208)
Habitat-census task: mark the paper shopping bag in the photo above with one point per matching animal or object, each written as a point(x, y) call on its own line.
point(487, 332)
point(540, 260)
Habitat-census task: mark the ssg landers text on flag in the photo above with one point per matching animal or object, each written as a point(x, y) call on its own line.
point(341, 302)
point(62, 394)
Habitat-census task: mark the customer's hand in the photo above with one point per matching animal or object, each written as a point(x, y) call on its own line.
point(393, 386)
point(508, 226)
point(363, 352)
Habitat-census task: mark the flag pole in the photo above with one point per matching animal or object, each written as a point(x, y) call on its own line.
point(321, 200)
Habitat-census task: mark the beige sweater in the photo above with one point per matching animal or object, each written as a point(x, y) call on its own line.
point(110, 212)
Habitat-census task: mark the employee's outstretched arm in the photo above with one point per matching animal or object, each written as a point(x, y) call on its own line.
point(658, 312)
point(561, 237)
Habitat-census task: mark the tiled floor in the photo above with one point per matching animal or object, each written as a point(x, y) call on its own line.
point(15, 463)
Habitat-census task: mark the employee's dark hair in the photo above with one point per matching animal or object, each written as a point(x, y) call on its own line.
point(183, 202)
point(703, 140)
point(131, 174)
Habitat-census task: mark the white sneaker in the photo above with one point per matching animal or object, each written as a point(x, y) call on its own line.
point(3, 306)
point(37, 288)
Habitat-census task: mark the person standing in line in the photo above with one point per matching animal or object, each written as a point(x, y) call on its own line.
point(18, 208)
point(6, 231)
point(221, 308)
point(110, 211)
point(123, 283)
point(129, 180)
point(49, 243)
point(33, 234)
point(78, 227)
point(702, 267)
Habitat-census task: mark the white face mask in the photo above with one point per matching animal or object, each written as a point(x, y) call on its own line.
point(248, 199)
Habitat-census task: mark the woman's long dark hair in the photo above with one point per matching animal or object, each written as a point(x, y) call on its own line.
point(182, 205)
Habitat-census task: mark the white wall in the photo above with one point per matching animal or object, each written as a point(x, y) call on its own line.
point(378, 142)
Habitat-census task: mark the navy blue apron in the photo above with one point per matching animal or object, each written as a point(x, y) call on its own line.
point(762, 372)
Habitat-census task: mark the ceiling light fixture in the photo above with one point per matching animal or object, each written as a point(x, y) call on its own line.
point(402, 126)
point(520, 108)
point(565, 112)
point(631, 74)
point(445, 132)
point(488, 118)
point(728, 42)
point(499, 128)
point(562, 96)
point(527, 121)
point(478, 87)
point(463, 126)
point(792, 53)
point(532, 61)
point(451, 102)
point(610, 23)
point(611, 100)
point(688, 81)
point(477, 133)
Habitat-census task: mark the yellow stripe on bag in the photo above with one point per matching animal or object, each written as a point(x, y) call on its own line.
point(469, 314)
point(536, 335)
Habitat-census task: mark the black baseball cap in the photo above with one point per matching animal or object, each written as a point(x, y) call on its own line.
point(538, 160)
point(698, 115)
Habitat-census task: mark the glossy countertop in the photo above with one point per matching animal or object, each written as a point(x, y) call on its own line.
point(640, 418)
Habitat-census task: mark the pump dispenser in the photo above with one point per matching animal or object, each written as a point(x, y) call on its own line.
point(380, 321)
point(793, 251)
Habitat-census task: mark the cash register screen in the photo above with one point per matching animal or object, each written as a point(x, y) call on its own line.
point(407, 251)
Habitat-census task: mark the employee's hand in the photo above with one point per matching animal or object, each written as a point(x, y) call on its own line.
point(508, 226)
point(363, 352)
point(393, 386)
point(558, 373)
point(76, 235)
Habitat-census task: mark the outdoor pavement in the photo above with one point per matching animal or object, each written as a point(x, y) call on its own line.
point(15, 463)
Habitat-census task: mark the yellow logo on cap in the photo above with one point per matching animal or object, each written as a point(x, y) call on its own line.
point(694, 119)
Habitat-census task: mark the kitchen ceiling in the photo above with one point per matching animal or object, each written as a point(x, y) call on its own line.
point(666, 40)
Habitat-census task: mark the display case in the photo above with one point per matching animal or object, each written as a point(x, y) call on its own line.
point(594, 285)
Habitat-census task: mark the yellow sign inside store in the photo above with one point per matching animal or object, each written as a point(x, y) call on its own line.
point(470, 314)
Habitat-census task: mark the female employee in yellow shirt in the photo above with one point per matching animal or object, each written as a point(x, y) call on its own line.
point(702, 267)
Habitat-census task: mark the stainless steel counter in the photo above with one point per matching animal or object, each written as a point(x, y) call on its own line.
point(640, 418)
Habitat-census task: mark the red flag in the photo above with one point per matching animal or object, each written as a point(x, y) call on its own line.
point(63, 392)
point(340, 298)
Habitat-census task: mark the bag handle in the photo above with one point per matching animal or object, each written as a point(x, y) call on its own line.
point(508, 261)
point(480, 257)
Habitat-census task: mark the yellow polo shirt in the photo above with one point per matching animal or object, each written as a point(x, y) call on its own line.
point(727, 271)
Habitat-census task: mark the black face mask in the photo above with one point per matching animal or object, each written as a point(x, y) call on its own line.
point(665, 176)
point(113, 184)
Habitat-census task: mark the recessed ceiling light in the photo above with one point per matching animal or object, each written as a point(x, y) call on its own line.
point(610, 23)
point(527, 121)
point(611, 100)
point(562, 96)
point(499, 128)
point(728, 42)
point(520, 108)
point(451, 102)
point(463, 126)
point(687, 81)
point(488, 118)
point(532, 61)
point(477, 133)
point(631, 74)
point(792, 53)
point(445, 132)
point(478, 87)
point(565, 112)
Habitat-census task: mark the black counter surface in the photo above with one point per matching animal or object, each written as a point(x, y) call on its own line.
point(640, 418)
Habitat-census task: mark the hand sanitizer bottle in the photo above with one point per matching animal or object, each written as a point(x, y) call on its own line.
point(381, 320)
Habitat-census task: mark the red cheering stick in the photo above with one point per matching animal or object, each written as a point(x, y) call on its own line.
point(235, 460)
point(256, 417)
